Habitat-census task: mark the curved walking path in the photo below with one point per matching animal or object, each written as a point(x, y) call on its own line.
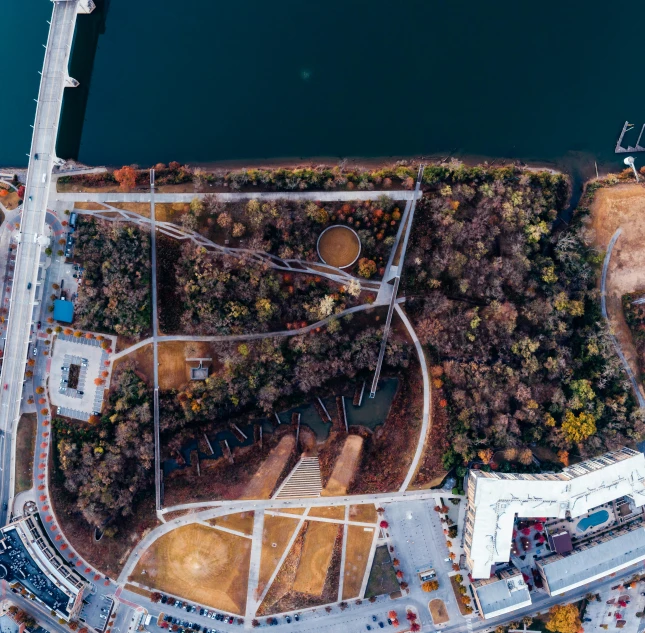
point(427, 401)
point(177, 232)
point(222, 338)
point(603, 306)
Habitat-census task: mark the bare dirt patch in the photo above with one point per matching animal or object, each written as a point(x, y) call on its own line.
point(11, 201)
point(240, 522)
point(90, 206)
point(144, 360)
point(328, 512)
point(339, 246)
point(174, 371)
point(359, 543)
point(140, 208)
point(438, 611)
point(292, 510)
point(315, 558)
point(364, 513)
point(275, 538)
point(613, 207)
point(345, 467)
point(138, 590)
point(201, 564)
point(265, 479)
point(25, 446)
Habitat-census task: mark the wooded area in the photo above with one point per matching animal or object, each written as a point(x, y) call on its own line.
point(510, 310)
point(115, 294)
point(107, 464)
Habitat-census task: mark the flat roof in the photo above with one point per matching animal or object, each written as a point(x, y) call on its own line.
point(63, 311)
point(503, 595)
point(561, 542)
point(495, 498)
point(16, 565)
point(595, 561)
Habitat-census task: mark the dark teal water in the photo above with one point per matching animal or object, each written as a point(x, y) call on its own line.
point(215, 81)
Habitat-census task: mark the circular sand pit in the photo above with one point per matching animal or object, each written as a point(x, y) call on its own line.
point(339, 246)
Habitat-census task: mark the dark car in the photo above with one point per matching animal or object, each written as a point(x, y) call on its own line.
point(296, 617)
point(29, 286)
point(164, 599)
point(39, 325)
point(373, 618)
point(201, 611)
point(288, 619)
point(381, 625)
point(368, 627)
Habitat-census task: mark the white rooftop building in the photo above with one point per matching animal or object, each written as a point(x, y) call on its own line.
point(495, 499)
point(501, 594)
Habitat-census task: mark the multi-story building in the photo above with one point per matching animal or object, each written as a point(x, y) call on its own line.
point(496, 499)
point(29, 562)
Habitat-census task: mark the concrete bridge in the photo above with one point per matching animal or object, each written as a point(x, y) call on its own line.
point(30, 238)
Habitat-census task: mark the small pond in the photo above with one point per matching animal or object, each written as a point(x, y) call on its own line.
point(372, 413)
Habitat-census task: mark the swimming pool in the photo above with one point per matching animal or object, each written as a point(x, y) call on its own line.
point(592, 520)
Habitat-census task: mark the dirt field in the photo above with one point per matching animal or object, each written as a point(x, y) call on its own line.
point(266, 478)
point(364, 513)
point(143, 358)
point(174, 371)
point(438, 611)
point(359, 543)
point(25, 445)
point(142, 208)
point(200, 564)
point(339, 246)
point(240, 522)
point(90, 206)
point(613, 207)
point(345, 467)
point(315, 559)
point(137, 590)
point(292, 510)
point(277, 532)
point(328, 512)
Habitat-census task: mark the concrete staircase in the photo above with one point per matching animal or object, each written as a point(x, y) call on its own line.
point(303, 481)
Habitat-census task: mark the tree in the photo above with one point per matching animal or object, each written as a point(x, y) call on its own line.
point(564, 618)
point(415, 626)
point(99, 381)
point(430, 585)
point(396, 562)
point(384, 524)
point(126, 177)
point(399, 574)
point(40, 390)
point(578, 428)
point(60, 253)
point(366, 267)
point(155, 596)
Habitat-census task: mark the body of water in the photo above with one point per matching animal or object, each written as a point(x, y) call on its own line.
point(219, 81)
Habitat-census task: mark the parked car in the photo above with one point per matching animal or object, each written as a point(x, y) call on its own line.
point(288, 619)
point(296, 617)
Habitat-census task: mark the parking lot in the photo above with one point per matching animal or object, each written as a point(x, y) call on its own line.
point(87, 355)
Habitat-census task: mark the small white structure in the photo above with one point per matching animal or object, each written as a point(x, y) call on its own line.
point(494, 499)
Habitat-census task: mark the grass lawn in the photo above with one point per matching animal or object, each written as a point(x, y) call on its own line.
point(240, 522)
point(328, 512)
point(276, 535)
point(345, 467)
point(25, 446)
point(266, 478)
point(315, 558)
point(359, 543)
point(364, 513)
point(382, 578)
point(200, 564)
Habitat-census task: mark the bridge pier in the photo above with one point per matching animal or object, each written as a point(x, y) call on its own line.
point(86, 6)
point(70, 82)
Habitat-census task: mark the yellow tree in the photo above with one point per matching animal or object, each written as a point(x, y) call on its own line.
point(430, 585)
point(564, 618)
point(577, 428)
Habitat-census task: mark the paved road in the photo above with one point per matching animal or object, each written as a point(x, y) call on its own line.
point(323, 196)
point(41, 161)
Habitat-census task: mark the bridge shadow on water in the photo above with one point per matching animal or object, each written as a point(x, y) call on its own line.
point(86, 39)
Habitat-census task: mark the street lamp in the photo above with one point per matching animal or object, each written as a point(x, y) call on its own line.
point(629, 160)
